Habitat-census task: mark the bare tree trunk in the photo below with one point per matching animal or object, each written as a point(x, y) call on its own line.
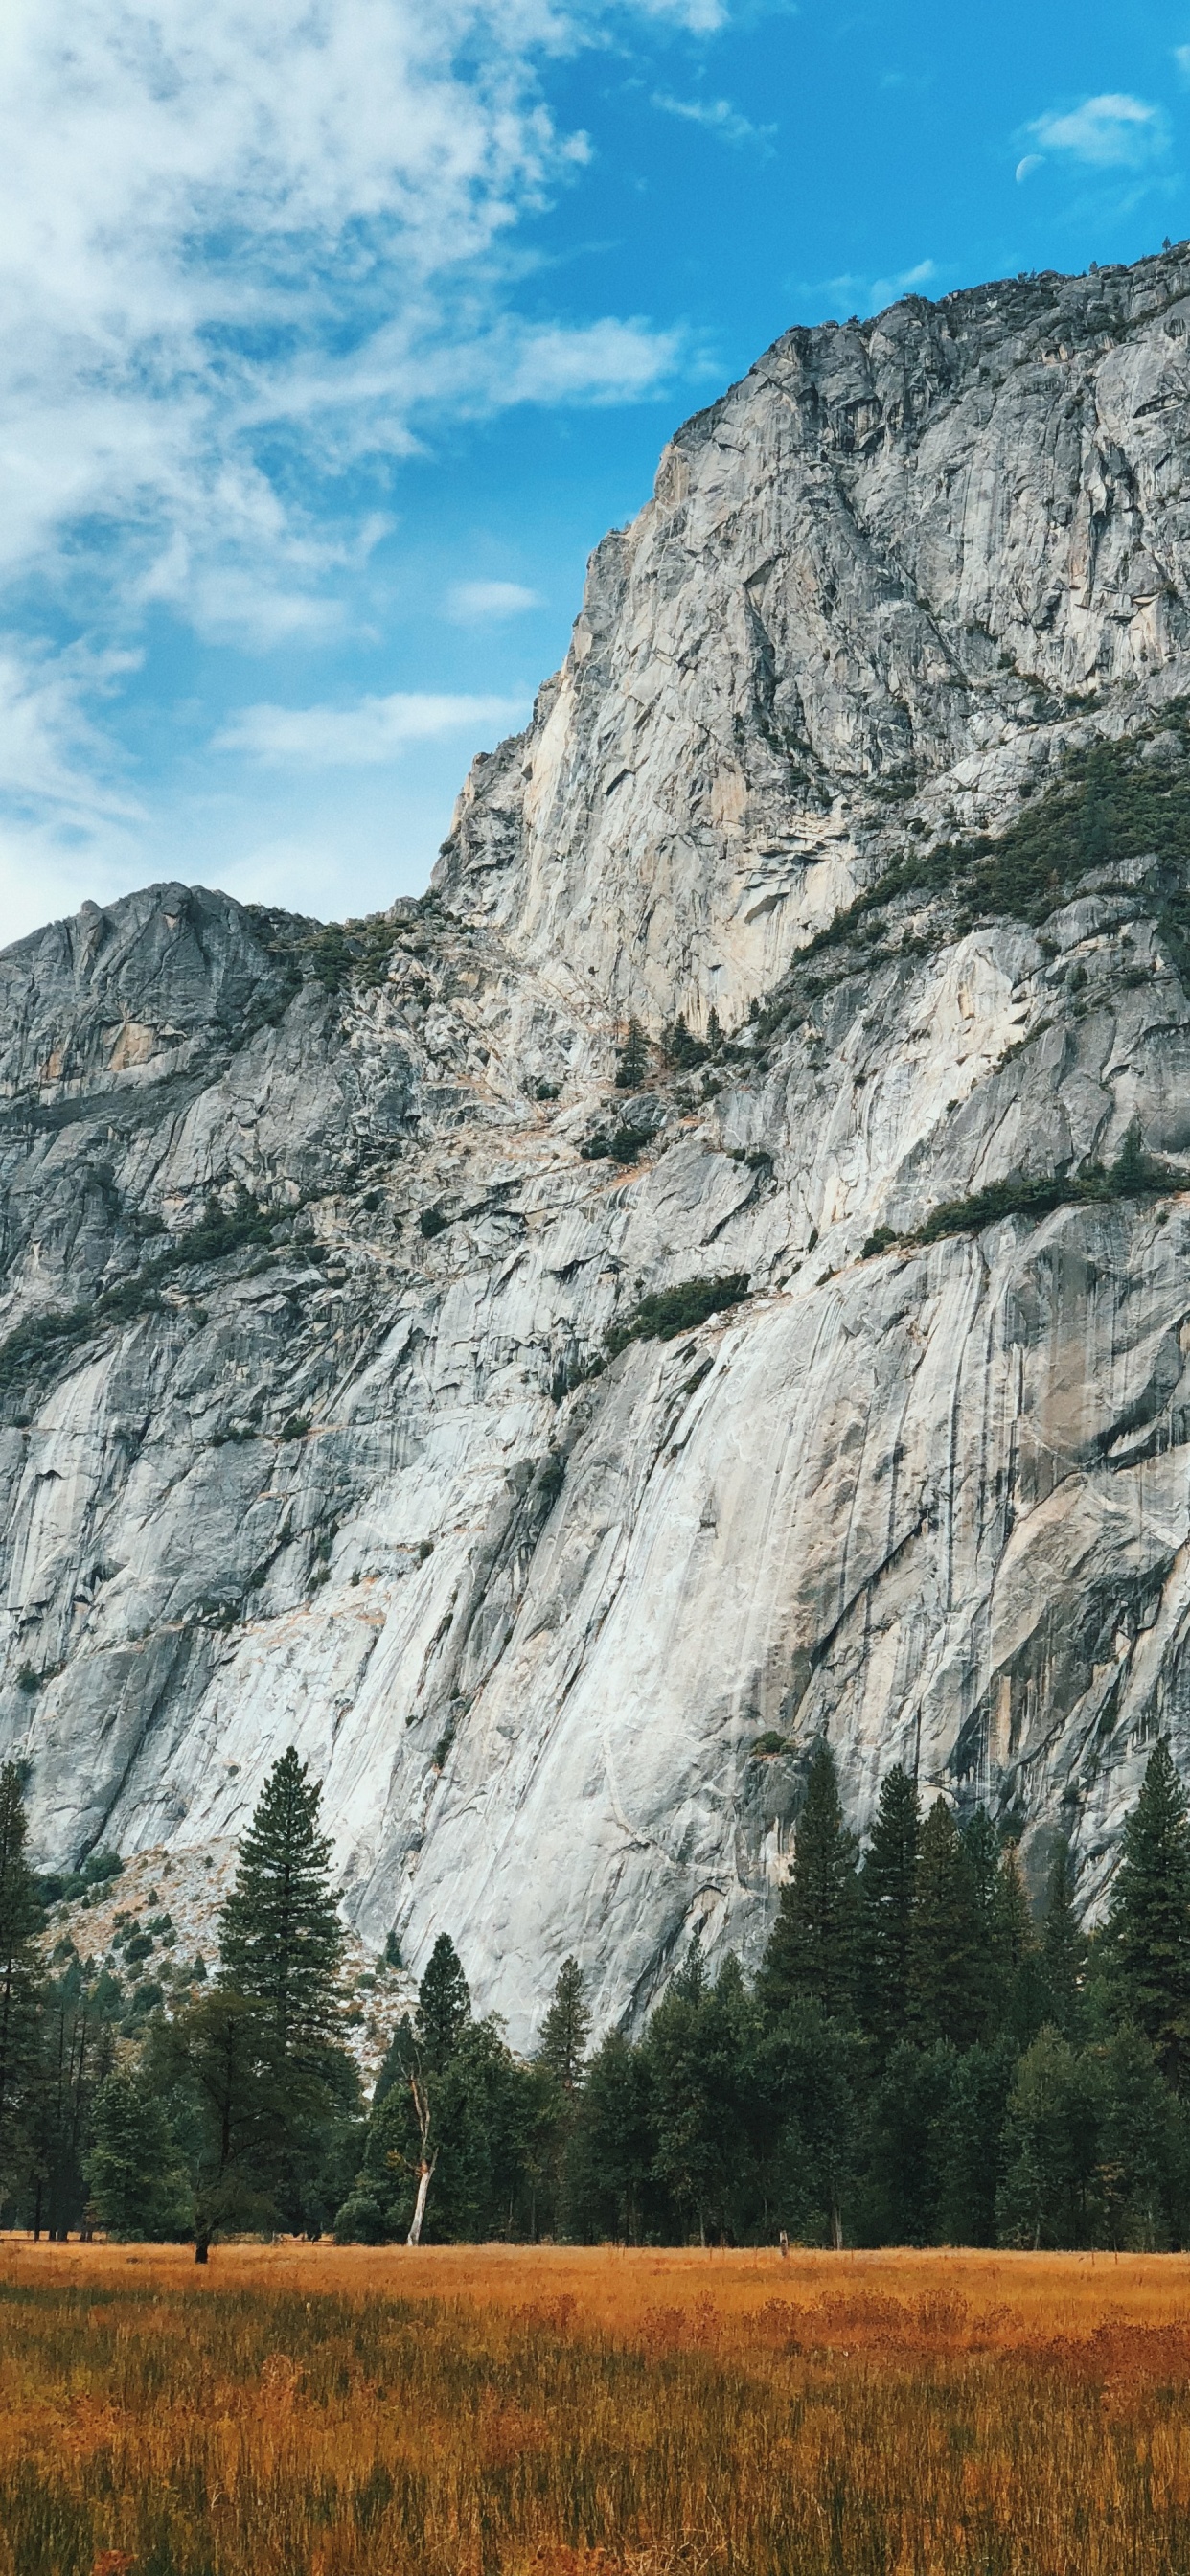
point(419, 2210)
point(425, 2170)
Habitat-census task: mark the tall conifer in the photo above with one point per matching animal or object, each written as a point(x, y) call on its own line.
point(811, 1954)
point(1149, 1922)
point(280, 1938)
point(946, 1955)
point(566, 2028)
point(1063, 1943)
point(443, 2002)
point(20, 1917)
point(887, 1883)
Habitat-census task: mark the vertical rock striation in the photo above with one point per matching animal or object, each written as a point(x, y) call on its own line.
point(313, 1240)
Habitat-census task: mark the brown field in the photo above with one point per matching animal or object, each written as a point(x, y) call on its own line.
point(502, 2411)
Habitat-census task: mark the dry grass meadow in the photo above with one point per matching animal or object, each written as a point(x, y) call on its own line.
point(302, 2411)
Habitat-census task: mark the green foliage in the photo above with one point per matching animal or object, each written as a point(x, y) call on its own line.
point(698, 2050)
point(432, 1222)
point(1064, 1947)
point(670, 1311)
point(443, 2003)
point(49, 1338)
point(565, 2031)
point(20, 1921)
point(1112, 805)
point(1134, 1174)
point(280, 1937)
point(338, 953)
point(680, 1050)
point(482, 2107)
point(1052, 2138)
point(1149, 1923)
point(812, 1950)
point(232, 2108)
point(625, 1144)
point(946, 1958)
point(137, 2184)
point(632, 1063)
point(887, 1884)
point(611, 2189)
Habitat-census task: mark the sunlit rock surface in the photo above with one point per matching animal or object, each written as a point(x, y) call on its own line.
point(360, 1483)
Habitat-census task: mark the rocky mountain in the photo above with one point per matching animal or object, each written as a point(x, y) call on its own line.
point(348, 1397)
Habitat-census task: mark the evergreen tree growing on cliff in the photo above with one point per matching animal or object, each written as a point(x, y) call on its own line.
point(811, 1954)
point(20, 1919)
point(280, 1938)
point(887, 1883)
point(1148, 1932)
point(632, 1063)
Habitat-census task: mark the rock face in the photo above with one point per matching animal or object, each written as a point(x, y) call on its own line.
point(308, 1430)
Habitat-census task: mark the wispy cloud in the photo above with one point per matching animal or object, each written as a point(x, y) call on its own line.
point(487, 603)
point(359, 737)
point(56, 767)
point(850, 293)
point(244, 247)
point(719, 117)
point(1111, 132)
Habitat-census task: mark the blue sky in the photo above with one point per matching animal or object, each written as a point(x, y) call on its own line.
point(334, 334)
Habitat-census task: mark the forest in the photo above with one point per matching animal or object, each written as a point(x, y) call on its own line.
point(918, 2061)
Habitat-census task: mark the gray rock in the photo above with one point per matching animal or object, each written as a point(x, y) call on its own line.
point(348, 1473)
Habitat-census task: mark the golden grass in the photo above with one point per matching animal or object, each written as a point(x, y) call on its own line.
point(300, 2411)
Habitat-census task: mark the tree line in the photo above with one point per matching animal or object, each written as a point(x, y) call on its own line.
point(918, 2060)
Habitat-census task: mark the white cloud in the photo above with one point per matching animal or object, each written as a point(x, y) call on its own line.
point(719, 117)
point(482, 603)
point(908, 281)
point(55, 765)
point(1111, 132)
point(245, 251)
point(1181, 55)
point(241, 247)
point(359, 737)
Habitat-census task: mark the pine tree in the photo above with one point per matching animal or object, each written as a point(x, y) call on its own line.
point(811, 1954)
point(990, 1973)
point(443, 2002)
point(212, 2052)
point(632, 1063)
point(138, 2189)
point(1063, 1944)
point(887, 1883)
point(1021, 1997)
point(280, 1937)
point(610, 2183)
point(566, 2028)
point(1051, 2142)
point(1149, 1921)
point(20, 1918)
point(690, 1980)
point(946, 1938)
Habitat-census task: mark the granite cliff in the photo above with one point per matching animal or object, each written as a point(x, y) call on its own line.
point(333, 1407)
